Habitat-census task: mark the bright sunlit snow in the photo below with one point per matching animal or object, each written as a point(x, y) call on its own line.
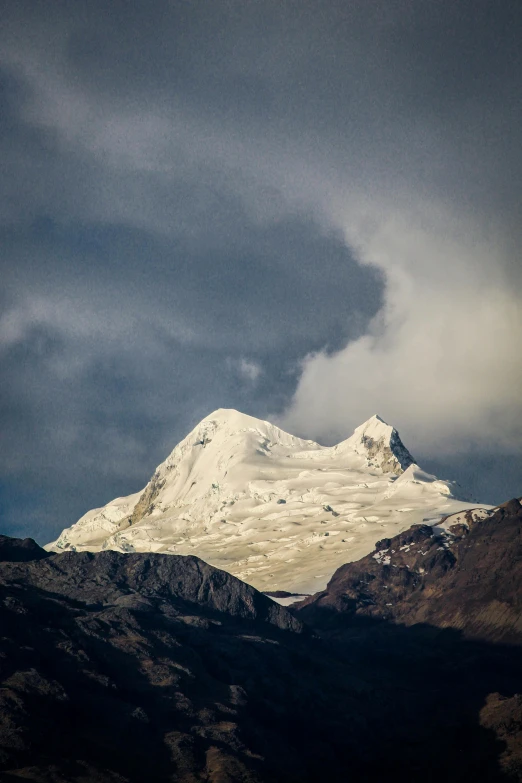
point(279, 512)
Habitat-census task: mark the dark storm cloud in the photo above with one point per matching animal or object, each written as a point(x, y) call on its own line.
point(119, 334)
point(177, 180)
point(118, 346)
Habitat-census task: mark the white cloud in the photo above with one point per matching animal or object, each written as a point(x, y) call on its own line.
point(248, 369)
point(441, 360)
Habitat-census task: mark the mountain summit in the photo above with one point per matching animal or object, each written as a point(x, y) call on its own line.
point(380, 444)
point(277, 511)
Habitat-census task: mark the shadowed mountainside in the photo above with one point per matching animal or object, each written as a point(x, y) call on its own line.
point(121, 668)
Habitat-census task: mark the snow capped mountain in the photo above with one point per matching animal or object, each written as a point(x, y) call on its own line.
point(380, 444)
point(277, 511)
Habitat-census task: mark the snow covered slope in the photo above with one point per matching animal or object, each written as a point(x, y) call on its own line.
point(278, 512)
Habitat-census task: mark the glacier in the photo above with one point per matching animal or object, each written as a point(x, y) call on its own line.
point(277, 511)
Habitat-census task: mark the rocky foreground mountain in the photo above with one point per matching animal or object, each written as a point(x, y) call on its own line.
point(277, 511)
point(465, 573)
point(156, 667)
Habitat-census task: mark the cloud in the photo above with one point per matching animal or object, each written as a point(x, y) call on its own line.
point(248, 369)
point(440, 359)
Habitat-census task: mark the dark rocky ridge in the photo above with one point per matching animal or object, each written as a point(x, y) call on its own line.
point(20, 550)
point(108, 577)
point(119, 668)
point(469, 579)
point(132, 667)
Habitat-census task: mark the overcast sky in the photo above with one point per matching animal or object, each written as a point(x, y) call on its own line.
point(307, 211)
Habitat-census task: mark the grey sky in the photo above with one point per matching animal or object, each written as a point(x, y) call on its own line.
point(308, 211)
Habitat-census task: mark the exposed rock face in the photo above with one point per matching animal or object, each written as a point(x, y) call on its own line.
point(381, 445)
point(145, 505)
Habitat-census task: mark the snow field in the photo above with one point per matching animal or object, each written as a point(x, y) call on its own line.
point(277, 511)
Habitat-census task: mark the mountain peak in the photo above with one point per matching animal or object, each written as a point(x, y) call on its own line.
point(380, 444)
point(235, 430)
point(376, 425)
point(273, 509)
point(226, 415)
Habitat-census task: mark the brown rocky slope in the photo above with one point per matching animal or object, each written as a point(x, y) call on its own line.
point(466, 576)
